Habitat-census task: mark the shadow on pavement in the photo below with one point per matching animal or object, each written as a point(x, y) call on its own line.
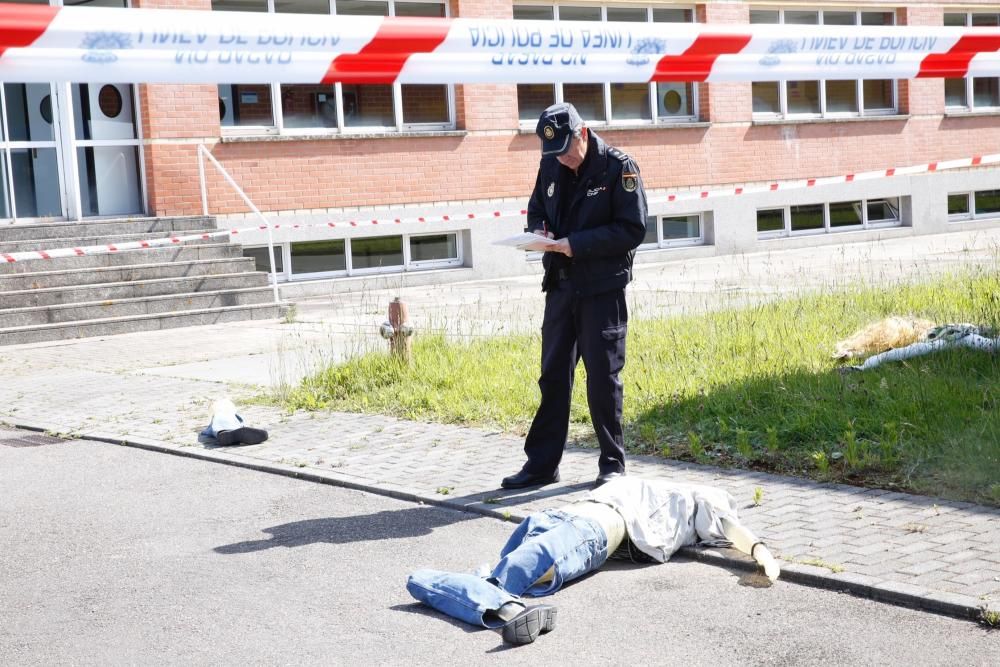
point(387, 525)
point(348, 529)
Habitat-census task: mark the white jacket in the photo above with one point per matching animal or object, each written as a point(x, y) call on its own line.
point(661, 516)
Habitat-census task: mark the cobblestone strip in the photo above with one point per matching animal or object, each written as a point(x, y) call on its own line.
point(923, 552)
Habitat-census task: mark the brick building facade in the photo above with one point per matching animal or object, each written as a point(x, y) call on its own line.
point(312, 153)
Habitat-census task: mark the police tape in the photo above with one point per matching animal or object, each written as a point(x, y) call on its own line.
point(45, 43)
point(207, 236)
point(687, 195)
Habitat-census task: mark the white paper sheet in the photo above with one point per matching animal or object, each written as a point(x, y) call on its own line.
point(524, 240)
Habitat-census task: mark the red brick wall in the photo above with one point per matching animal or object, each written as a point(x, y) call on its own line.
point(724, 102)
point(494, 160)
point(485, 107)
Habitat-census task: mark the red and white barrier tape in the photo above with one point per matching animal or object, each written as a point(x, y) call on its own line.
point(834, 180)
point(43, 43)
point(687, 195)
point(206, 236)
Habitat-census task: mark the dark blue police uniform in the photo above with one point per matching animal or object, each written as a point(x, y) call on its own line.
point(601, 210)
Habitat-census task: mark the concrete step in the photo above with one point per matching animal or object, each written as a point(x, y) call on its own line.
point(118, 274)
point(180, 253)
point(58, 296)
point(120, 325)
point(81, 241)
point(155, 305)
point(51, 230)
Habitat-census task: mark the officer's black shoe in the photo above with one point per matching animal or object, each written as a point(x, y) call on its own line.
point(606, 477)
point(526, 626)
point(525, 479)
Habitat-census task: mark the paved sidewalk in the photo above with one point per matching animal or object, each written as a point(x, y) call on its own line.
point(154, 390)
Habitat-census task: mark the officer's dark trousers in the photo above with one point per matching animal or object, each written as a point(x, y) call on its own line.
point(592, 328)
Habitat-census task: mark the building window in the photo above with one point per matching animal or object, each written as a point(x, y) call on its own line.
point(669, 231)
point(262, 258)
point(650, 103)
point(823, 99)
point(322, 109)
point(828, 217)
point(433, 250)
point(974, 205)
point(378, 252)
point(973, 93)
point(317, 257)
point(303, 260)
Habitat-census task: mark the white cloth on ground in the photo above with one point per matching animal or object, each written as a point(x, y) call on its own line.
point(661, 516)
point(224, 417)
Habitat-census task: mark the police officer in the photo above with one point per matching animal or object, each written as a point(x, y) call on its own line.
point(588, 197)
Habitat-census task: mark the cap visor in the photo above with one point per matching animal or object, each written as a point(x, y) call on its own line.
point(556, 147)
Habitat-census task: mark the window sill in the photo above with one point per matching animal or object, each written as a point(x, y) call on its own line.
point(631, 127)
point(983, 218)
point(846, 119)
point(962, 113)
point(350, 136)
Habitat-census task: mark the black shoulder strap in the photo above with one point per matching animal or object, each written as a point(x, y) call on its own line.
point(622, 156)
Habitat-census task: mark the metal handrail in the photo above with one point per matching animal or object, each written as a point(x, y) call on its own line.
point(202, 154)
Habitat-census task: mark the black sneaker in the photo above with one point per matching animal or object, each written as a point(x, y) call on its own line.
point(526, 626)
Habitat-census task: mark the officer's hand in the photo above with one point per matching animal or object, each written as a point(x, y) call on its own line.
point(563, 246)
point(540, 247)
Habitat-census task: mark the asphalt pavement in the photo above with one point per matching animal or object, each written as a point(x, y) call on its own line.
point(115, 555)
point(155, 389)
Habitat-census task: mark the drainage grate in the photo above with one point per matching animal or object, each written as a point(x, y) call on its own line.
point(33, 440)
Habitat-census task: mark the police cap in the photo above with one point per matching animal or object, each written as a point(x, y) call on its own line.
point(556, 126)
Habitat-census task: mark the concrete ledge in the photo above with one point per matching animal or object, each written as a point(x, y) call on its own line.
point(834, 238)
point(348, 136)
point(326, 286)
point(632, 127)
point(899, 118)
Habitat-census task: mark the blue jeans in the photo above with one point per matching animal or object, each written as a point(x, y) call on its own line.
point(572, 545)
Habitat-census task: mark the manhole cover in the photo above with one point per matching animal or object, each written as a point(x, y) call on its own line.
point(32, 440)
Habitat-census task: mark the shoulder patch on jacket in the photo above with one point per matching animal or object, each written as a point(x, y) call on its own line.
point(630, 180)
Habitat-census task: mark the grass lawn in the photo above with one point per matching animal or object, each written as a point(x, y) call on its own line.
point(753, 387)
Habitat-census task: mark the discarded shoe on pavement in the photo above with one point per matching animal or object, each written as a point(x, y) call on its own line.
point(244, 435)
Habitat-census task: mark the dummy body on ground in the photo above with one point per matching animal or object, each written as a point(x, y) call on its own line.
point(553, 547)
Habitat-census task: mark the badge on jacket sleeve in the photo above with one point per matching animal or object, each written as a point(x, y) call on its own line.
point(630, 181)
point(552, 189)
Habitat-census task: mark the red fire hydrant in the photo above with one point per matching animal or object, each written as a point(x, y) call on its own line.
point(398, 331)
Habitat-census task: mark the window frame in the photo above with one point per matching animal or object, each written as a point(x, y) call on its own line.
point(866, 224)
point(969, 81)
point(278, 126)
point(686, 242)
point(284, 250)
point(654, 120)
point(823, 113)
point(972, 214)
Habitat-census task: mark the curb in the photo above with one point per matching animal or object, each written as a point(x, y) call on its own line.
point(894, 593)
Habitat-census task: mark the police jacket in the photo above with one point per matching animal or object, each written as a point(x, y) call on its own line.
point(601, 210)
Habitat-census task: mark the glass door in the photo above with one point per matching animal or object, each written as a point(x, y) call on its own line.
point(107, 149)
point(30, 159)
